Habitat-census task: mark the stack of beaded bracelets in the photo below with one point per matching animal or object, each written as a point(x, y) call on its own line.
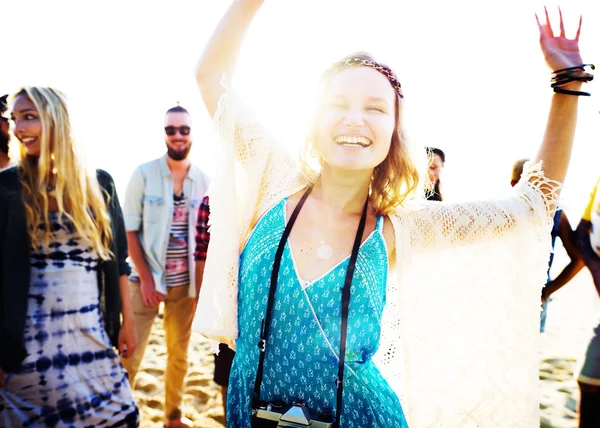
point(571, 74)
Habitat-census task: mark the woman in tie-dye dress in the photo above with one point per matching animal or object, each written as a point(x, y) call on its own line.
point(62, 280)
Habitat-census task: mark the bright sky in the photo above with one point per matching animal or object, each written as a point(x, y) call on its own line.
point(475, 81)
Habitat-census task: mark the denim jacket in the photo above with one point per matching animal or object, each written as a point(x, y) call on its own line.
point(148, 210)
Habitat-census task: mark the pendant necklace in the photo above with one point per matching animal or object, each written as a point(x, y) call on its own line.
point(324, 251)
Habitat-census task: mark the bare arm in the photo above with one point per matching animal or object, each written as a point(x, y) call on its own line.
point(559, 53)
point(563, 278)
point(126, 306)
point(586, 252)
point(151, 297)
point(582, 241)
point(567, 236)
point(128, 333)
point(222, 50)
point(136, 253)
point(557, 144)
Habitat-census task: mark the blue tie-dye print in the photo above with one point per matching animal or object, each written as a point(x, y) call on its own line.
point(71, 376)
point(301, 363)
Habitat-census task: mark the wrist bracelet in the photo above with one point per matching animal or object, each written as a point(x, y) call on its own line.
point(568, 79)
point(565, 76)
point(572, 69)
point(558, 90)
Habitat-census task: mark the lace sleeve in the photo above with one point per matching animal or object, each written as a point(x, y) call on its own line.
point(463, 320)
point(264, 168)
point(442, 224)
point(253, 171)
point(235, 123)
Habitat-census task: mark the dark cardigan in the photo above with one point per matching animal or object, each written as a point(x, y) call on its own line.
point(15, 268)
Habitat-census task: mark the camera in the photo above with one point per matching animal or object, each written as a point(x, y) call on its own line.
point(297, 415)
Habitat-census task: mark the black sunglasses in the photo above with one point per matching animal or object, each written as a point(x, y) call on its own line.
point(172, 130)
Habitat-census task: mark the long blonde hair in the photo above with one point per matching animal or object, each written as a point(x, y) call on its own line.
point(78, 193)
point(394, 180)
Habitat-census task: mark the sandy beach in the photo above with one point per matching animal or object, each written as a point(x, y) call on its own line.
point(559, 365)
point(202, 401)
point(574, 311)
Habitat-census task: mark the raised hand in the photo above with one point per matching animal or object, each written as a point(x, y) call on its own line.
point(222, 50)
point(559, 51)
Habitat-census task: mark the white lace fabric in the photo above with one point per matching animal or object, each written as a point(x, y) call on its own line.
point(460, 327)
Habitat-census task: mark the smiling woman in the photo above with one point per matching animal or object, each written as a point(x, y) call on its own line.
point(63, 277)
point(355, 329)
point(29, 126)
point(366, 129)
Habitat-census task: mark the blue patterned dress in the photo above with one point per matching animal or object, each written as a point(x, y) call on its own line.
point(71, 376)
point(301, 361)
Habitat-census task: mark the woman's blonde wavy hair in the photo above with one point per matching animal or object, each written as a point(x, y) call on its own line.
point(394, 181)
point(78, 193)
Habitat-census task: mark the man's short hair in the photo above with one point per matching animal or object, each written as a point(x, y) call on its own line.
point(177, 109)
point(4, 138)
point(3, 104)
point(435, 151)
point(517, 170)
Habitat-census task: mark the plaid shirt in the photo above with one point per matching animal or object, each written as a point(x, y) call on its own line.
point(202, 233)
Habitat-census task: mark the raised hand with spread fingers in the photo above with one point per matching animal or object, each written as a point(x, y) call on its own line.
point(559, 51)
point(569, 73)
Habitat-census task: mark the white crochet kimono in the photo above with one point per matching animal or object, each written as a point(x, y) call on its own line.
point(460, 328)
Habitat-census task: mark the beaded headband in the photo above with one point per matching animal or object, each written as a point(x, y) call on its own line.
point(387, 72)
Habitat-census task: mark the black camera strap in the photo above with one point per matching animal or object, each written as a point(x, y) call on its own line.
point(266, 323)
point(345, 306)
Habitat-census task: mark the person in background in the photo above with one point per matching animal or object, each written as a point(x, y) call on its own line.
point(561, 228)
point(437, 160)
point(224, 358)
point(64, 302)
point(161, 208)
point(4, 134)
point(587, 237)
